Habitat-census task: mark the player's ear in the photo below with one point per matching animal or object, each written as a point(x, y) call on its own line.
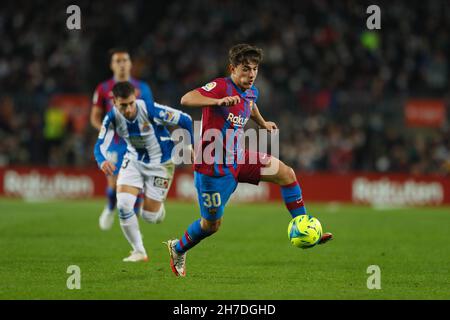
point(231, 68)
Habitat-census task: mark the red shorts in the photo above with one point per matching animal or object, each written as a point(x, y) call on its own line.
point(251, 173)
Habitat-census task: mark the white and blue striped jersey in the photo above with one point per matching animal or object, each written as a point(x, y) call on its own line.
point(148, 140)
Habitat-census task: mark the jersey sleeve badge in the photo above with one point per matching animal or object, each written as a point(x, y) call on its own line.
point(168, 116)
point(209, 86)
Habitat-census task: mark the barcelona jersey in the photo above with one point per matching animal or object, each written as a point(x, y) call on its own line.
point(229, 121)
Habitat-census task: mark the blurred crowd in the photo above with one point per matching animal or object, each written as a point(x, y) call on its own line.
point(335, 88)
point(319, 143)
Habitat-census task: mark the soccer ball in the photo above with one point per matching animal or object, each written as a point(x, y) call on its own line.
point(304, 231)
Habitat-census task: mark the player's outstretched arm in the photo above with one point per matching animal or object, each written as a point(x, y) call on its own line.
point(98, 100)
point(195, 99)
point(106, 166)
point(96, 117)
point(168, 116)
point(258, 118)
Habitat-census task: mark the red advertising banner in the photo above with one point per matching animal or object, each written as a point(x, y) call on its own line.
point(372, 189)
point(39, 183)
point(425, 113)
point(377, 189)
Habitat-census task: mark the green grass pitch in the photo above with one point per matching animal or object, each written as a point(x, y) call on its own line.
point(249, 258)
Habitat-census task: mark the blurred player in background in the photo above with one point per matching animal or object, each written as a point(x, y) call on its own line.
point(228, 103)
point(147, 165)
point(120, 63)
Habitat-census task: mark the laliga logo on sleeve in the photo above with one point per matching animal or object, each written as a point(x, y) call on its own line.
point(167, 116)
point(209, 86)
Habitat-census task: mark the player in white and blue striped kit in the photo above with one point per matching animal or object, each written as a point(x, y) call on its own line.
point(147, 164)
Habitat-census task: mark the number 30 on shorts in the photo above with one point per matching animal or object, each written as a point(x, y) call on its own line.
point(211, 200)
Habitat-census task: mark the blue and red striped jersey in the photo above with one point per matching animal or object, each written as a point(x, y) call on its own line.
point(229, 121)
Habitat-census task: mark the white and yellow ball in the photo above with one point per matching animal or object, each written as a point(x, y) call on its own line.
point(304, 231)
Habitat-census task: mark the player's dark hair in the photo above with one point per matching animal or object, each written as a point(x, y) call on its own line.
point(123, 89)
point(113, 51)
point(244, 53)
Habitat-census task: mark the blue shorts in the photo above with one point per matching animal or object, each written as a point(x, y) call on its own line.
point(115, 153)
point(213, 194)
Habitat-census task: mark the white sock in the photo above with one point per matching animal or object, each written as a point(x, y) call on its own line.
point(130, 228)
point(128, 220)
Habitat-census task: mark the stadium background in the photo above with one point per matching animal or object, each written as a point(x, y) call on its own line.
point(363, 117)
point(348, 100)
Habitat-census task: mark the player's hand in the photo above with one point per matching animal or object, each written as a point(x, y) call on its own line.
point(270, 126)
point(108, 168)
point(228, 101)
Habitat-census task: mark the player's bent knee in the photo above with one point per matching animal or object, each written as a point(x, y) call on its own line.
point(152, 205)
point(154, 217)
point(286, 175)
point(125, 204)
point(290, 176)
point(211, 226)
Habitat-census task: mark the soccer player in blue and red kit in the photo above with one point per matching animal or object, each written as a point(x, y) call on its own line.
point(116, 147)
point(227, 104)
